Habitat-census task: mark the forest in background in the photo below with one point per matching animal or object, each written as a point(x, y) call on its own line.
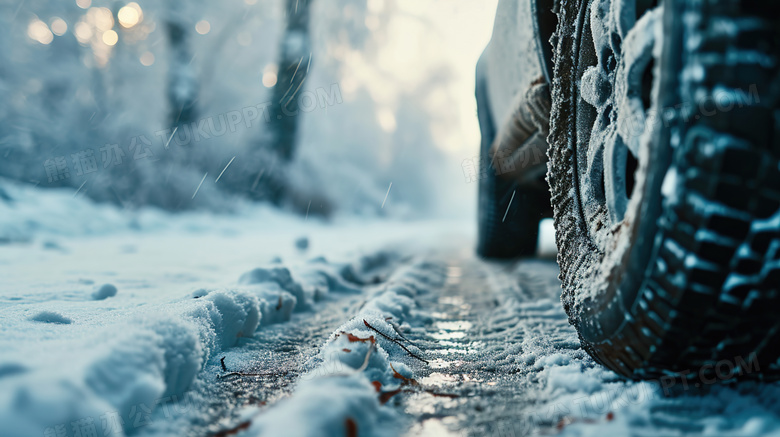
point(191, 104)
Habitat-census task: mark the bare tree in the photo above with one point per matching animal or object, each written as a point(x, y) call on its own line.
point(294, 63)
point(182, 85)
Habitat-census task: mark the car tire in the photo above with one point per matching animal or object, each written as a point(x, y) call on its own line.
point(508, 212)
point(685, 280)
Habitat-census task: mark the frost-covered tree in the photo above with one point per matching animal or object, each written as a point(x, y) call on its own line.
point(182, 92)
point(295, 58)
point(90, 97)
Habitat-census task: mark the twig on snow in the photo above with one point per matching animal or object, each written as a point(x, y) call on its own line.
point(396, 341)
point(225, 375)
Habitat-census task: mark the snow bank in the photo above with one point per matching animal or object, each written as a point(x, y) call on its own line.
point(27, 213)
point(125, 366)
point(111, 368)
point(332, 407)
point(361, 361)
point(283, 279)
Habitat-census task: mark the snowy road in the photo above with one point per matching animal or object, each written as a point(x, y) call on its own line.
point(500, 360)
point(221, 326)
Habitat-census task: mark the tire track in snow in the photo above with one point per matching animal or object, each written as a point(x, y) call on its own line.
point(500, 340)
point(502, 360)
point(475, 338)
point(261, 369)
point(281, 353)
point(364, 363)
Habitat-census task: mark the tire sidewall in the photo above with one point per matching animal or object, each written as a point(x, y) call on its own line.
point(613, 280)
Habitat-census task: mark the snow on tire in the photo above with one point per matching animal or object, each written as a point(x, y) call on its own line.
point(665, 184)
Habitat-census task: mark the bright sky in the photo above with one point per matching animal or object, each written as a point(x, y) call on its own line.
point(424, 36)
point(464, 28)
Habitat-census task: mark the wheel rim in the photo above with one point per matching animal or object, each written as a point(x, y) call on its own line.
point(613, 110)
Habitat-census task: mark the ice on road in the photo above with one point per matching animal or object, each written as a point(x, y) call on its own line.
point(206, 325)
